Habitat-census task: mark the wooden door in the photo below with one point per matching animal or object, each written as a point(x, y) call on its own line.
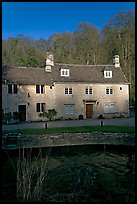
point(89, 110)
point(22, 113)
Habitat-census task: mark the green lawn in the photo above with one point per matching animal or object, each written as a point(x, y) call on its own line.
point(110, 128)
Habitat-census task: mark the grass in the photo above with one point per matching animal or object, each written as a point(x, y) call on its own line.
point(122, 129)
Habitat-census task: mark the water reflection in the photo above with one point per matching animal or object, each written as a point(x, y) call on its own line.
point(76, 174)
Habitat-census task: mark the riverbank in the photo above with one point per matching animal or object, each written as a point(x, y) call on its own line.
point(68, 139)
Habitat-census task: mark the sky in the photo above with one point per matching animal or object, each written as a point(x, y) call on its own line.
point(42, 19)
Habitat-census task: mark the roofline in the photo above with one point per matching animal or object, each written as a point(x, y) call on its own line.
point(90, 82)
point(76, 65)
point(95, 65)
point(62, 82)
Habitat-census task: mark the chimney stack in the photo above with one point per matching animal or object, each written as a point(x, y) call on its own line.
point(116, 61)
point(49, 61)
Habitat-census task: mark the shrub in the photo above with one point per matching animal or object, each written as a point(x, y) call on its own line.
point(121, 116)
point(51, 113)
point(6, 117)
point(101, 116)
point(15, 115)
point(80, 117)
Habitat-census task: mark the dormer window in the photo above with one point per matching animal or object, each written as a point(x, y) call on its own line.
point(107, 74)
point(65, 72)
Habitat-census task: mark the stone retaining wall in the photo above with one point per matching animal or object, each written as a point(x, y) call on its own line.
point(62, 139)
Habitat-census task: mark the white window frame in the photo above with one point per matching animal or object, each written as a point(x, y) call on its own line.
point(108, 74)
point(68, 90)
point(12, 88)
point(88, 90)
point(109, 90)
point(68, 109)
point(65, 72)
point(41, 107)
point(40, 88)
point(108, 107)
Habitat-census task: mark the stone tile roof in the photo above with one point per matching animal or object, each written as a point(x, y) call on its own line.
point(78, 73)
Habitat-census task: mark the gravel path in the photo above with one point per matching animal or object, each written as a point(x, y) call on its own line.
point(71, 123)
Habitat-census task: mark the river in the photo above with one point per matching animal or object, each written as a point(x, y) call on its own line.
point(80, 173)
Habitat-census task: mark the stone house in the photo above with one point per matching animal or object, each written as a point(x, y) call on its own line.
point(72, 90)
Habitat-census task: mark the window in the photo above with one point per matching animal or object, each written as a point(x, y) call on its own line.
point(68, 90)
point(40, 107)
point(40, 89)
point(107, 74)
point(69, 109)
point(109, 90)
point(120, 88)
point(15, 88)
point(37, 89)
point(110, 108)
point(64, 72)
point(12, 89)
point(88, 90)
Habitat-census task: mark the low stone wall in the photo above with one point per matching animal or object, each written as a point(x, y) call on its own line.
point(62, 139)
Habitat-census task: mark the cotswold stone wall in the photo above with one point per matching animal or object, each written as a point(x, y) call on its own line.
point(47, 140)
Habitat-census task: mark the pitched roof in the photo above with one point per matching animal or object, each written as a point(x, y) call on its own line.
point(78, 73)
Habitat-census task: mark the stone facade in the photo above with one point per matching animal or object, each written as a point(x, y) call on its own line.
point(57, 99)
point(26, 96)
point(98, 98)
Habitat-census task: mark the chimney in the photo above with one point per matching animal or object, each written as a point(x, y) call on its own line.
point(116, 61)
point(49, 61)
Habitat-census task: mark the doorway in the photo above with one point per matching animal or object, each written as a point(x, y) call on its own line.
point(22, 113)
point(89, 110)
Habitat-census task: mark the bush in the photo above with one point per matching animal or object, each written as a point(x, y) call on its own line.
point(101, 116)
point(49, 114)
point(15, 115)
point(6, 117)
point(121, 116)
point(80, 117)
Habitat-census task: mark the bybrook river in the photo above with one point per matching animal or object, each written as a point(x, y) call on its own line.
point(84, 173)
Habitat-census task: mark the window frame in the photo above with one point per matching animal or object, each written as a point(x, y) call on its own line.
point(9, 88)
point(15, 90)
point(109, 90)
point(88, 90)
point(40, 89)
point(68, 90)
point(108, 74)
point(65, 72)
point(12, 89)
point(40, 107)
point(43, 107)
point(109, 106)
point(69, 109)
